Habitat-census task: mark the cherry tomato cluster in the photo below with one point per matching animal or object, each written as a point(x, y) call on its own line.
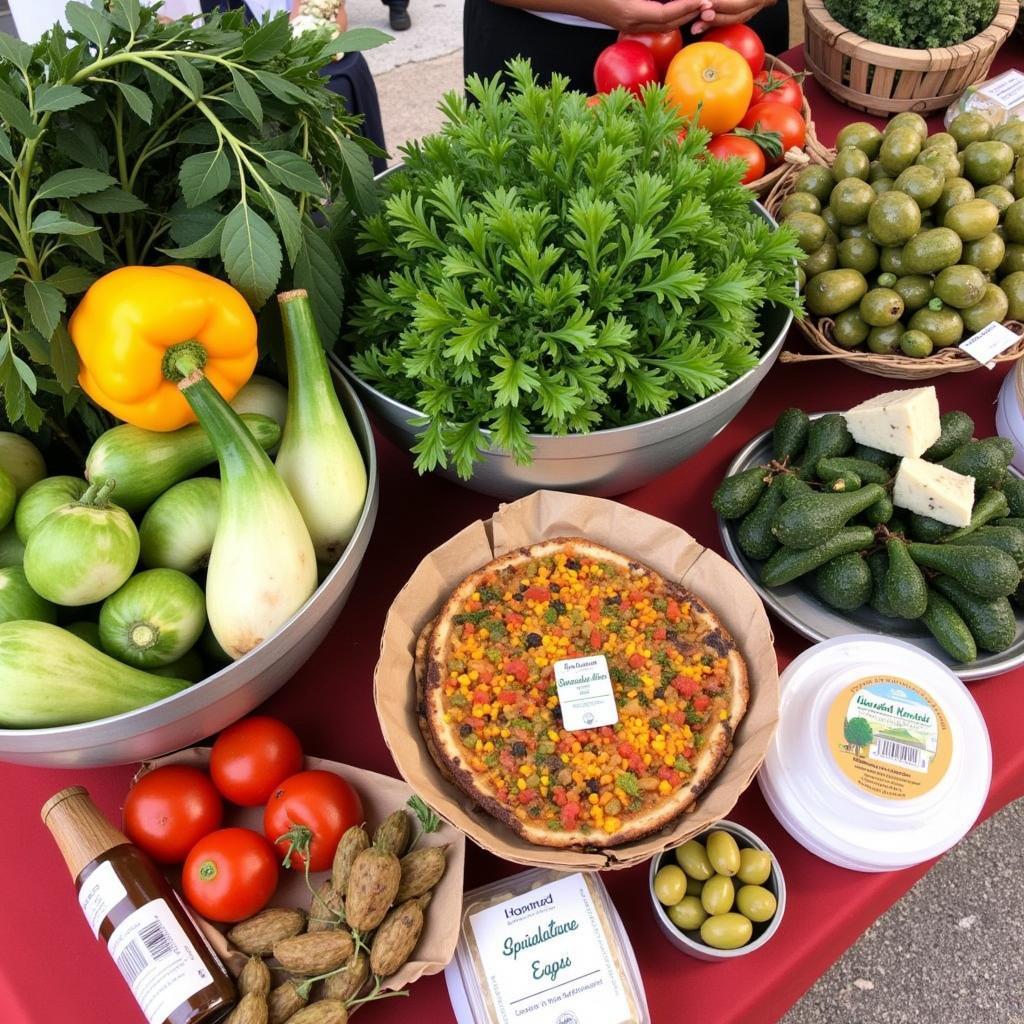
point(175, 814)
point(721, 82)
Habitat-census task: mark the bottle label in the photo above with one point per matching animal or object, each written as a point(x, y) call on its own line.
point(889, 737)
point(158, 960)
point(100, 893)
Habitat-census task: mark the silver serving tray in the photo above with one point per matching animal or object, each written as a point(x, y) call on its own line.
point(811, 618)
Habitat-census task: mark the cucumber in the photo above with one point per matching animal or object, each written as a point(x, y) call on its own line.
point(946, 624)
point(787, 564)
point(44, 497)
point(144, 463)
point(19, 601)
point(177, 530)
point(153, 619)
point(12, 550)
point(21, 460)
point(50, 677)
point(82, 552)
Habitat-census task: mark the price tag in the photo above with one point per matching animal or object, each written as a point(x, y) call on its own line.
point(585, 692)
point(1007, 89)
point(989, 342)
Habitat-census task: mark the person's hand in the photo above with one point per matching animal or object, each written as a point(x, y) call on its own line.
point(729, 12)
point(633, 16)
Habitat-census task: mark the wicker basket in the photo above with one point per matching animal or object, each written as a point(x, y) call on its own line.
point(884, 80)
point(794, 157)
point(819, 331)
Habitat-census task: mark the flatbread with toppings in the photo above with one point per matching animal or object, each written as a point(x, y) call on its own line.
point(490, 707)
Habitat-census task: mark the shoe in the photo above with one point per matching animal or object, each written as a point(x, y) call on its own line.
point(399, 17)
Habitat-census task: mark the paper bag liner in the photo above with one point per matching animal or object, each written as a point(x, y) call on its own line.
point(667, 549)
point(380, 795)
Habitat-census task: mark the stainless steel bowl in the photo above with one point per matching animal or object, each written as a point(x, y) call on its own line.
point(691, 942)
point(606, 462)
point(219, 700)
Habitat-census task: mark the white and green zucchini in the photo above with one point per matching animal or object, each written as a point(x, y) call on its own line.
point(42, 498)
point(319, 458)
point(178, 529)
point(12, 548)
point(89, 632)
point(145, 463)
point(264, 396)
point(21, 460)
point(19, 601)
point(8, 498)
point(50, 677)
point(82, 552)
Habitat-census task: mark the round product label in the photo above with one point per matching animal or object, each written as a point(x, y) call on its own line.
point(889, 737)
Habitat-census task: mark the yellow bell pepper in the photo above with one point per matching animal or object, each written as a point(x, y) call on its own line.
point(130, 319)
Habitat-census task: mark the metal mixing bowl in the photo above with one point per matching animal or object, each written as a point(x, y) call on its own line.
point(220, 699)
point(605, 462)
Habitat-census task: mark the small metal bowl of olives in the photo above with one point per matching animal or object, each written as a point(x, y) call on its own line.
point(720, 895)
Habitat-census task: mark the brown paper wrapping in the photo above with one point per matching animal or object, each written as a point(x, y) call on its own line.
point(666, 548)
point(381, 795)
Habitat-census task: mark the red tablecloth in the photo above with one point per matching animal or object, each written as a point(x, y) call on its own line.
point(52, 970)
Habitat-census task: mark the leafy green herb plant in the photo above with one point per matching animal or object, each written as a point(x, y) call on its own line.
point(914, 24)
point(126, 140)
point(539, 266)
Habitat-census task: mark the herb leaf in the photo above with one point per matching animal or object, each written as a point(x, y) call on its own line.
point(251, 253)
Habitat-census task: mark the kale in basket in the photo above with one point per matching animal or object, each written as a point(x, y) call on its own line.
point(540, 266)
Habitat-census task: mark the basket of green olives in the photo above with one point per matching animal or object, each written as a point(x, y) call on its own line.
point(913, 243)
point(720, 895)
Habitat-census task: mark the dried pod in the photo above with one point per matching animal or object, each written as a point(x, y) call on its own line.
point(255, 977)
point(353, 842)
point(314, 953)
point(326, 908)
point(284, 1002)
point(393, 833)
point(257, 935)
point(421, 871)
point(324, 1011)
point(250, 1009)
point(346, 983)
point(396, 938)
point(372, 885)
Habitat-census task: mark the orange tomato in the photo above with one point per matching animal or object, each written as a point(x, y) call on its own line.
point(713, 78)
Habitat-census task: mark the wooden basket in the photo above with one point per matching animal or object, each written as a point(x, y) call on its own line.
point(884, 80)
point(794, 157)
point(819, 331)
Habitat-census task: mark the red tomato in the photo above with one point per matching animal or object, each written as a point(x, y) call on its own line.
point(169, 810)
point(663, 45)
point(309, 813)
point(780, 88)
point(626, 63)
point(251, 757)
point(777, 117)
point(745, 41)
point(230, 875)
point(725, 146)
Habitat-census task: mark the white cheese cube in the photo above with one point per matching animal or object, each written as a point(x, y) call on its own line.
point(899, 422)
point(935, 491)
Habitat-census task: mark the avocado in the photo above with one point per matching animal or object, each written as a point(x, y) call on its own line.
point(843, 582)
point(992, 306)
point(817, 180)
point(807, 521)
point(789, 434)
point(905, 589)
point(960, 286)
point(1007, 538)
point(926, 529)
point(827, 437)
point(900, 148)
point(881, 512)
point(787, 564)
point(878, 565)
point(799, 202)
point(754, 535)
point(943, 326)
point(987, 572)
point(1013, 289)
point(989, 505)
point(970, 127)
point(865, 137)
point(851, 162)
point(810, 230)
point(991, 621)
point(792, 485)
point(848, 329)
point(1016, 522)
point(858, 253)
point(916, 344)
point(915, 290)
point(870, 473)
point(822, 259)
point(930, 251)
point(881, 307)
point(893, 218)
point(955, 190)
point(737, 494)
point(885, 340)
point(986, 460)
point(985, 253)
point(986, 163)
point(998, 195)
point(1013, 488)
point(957, 428)
point(922, 184)
point(884, 459)
point(946, 624)
point(832, 291)
point(972, 219)
point(850, 200)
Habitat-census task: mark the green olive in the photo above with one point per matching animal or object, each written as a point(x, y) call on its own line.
point(916, 344)
point(881, 306)
point(884, 341)
point(859, 253)
point(817, 180)
point(940, 140)
point(909, 119)
point(1012, 133)
point(755, 866)
point(670, 885)
point(851, 162)
point(688, 914)
point(944, 326)
point(693, 886)
point(1013, 258)
point(1013, 221)
point(727, 931)
point(848, 331)
point(799, 202)
point(864, 136)
point(693, 859)
point(992, 306)
point(970, 127)
point(985, 253)
point(756, 903)
point(997, 195)
point(723, 852)
point(718, 895)
point(916, 290)
point(1013, 287)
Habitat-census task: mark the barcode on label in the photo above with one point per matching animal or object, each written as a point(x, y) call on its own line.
point(900, 753)
point(151, 944)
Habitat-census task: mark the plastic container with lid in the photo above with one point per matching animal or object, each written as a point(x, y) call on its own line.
point(881, 759)
point(543, 947)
